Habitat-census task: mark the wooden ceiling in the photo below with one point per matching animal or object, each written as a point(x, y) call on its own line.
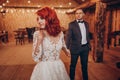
point(1, 1)
point(53, 3)
point(81, 1)
point(36, 1)
point(77, 1)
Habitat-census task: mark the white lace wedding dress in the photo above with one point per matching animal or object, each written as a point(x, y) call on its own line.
point(49, 65)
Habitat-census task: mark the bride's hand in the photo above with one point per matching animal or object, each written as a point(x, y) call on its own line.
point(67, 52)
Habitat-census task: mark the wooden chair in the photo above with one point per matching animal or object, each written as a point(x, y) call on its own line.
point(19, 38)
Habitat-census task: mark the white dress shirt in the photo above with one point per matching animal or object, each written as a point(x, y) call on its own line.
point(83, 33)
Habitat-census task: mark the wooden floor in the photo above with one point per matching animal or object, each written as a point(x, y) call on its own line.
point(16, 63)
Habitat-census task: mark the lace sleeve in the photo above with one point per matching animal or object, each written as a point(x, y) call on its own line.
point(37, 48)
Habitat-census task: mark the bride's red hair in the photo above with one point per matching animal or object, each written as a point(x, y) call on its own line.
point(52, 21)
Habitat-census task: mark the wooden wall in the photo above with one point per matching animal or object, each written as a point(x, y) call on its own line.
point(90, 18)
point(15, 18)
point(115, 24)
point(116, 20)
point(113, 16)
point(22, 18)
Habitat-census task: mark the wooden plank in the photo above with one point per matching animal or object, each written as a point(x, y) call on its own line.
point(82, 6)
point(24, 72)
point(8, 72)
point(99, 31)
point(22, 69)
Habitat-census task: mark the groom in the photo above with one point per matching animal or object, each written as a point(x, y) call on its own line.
point(78, 42)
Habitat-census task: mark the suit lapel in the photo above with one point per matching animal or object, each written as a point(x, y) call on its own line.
point(78, 28)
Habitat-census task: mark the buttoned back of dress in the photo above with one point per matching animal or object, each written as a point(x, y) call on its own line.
point(49, 49)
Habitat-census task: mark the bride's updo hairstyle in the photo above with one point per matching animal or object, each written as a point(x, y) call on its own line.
point(52, 21)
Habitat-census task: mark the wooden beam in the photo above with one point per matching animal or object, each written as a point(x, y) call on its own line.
point(35, 7)
point(109, 1)
point(2, 1)
point(114, 2)
point(106, 1)
point(30, 7)
point(99, 31)
point(82, 6)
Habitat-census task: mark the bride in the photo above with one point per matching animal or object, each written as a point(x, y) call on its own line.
point(47, 44)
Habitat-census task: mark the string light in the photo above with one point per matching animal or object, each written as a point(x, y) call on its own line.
point(39, 6)
point(70, 3)
point(28, 11)
point(7, 1)
point(52, 7)
point(0, 6)
point(83, 0)
point(23, 11)
point(29, 1)
point(11, 11)
point(3, 4)
point(60, 6)
point(33, 9)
